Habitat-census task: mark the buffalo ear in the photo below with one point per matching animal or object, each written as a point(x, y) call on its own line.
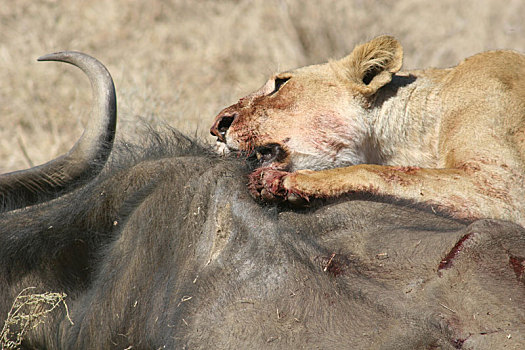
point(371, 65)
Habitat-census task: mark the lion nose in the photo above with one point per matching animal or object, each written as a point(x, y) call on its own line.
point(221, 125)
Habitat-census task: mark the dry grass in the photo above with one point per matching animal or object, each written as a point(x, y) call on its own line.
point(183, 60)
point(28, 312)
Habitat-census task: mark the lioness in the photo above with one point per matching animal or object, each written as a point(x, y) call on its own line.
point(452, 139)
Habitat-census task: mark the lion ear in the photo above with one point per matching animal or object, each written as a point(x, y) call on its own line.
point(371, 65)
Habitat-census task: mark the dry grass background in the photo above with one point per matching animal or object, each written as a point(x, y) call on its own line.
point(182, 61)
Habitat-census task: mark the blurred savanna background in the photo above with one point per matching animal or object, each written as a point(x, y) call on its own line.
point(182, 61)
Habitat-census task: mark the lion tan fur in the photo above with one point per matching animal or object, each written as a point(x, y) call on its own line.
point(452, 139)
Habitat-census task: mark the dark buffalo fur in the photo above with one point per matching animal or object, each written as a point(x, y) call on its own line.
point(166, 249)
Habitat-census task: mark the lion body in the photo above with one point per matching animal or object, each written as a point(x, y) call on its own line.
point(452, 139)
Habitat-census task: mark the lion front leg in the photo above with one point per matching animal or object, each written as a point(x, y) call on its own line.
point(271, 184)
point(456, 192)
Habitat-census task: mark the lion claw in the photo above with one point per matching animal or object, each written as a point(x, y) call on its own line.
point(296, 200)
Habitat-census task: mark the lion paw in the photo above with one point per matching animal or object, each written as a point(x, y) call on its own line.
point(270, 184)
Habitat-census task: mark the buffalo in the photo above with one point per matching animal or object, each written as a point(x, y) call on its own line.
point(158, 245)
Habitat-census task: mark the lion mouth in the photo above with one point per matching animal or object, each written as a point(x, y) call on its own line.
point(266, 155)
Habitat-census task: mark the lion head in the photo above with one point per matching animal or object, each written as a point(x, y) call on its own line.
point(313, 117)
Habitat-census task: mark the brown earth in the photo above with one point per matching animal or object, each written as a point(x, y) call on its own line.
point(182, 61)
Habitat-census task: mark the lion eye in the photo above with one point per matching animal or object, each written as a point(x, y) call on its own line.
point(278, 83)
